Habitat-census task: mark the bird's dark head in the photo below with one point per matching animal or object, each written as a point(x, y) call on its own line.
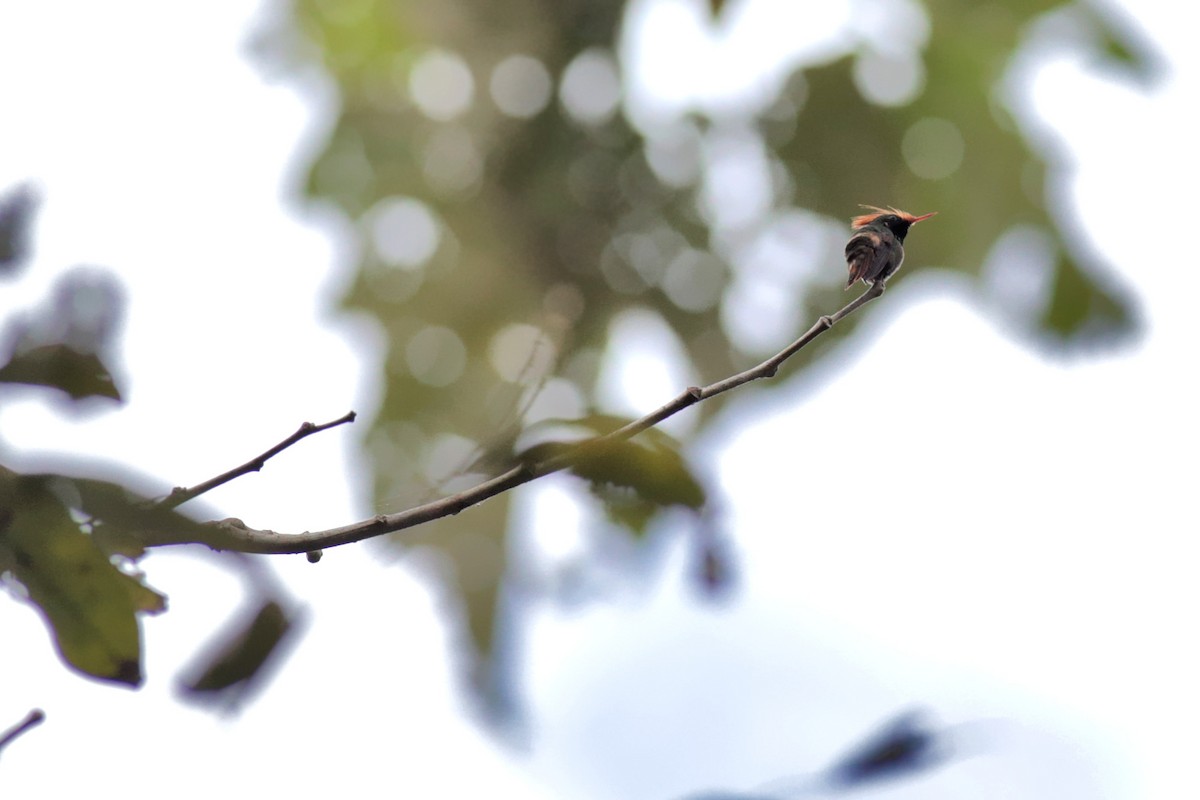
point(895, 220)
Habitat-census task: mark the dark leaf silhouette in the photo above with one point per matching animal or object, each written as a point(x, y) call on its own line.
point(231, 667)
point(16, 218)
point(67, 343)
point(901, 746)
point(61, 367)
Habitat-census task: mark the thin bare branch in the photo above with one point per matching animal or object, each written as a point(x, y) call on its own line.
point(32, 720)
point(233, 534)
point(180, 495)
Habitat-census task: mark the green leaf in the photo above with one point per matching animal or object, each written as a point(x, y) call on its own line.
point(658, 474)
point(89, 604)
point(635, 478)
point(126, 520)
point(60, 366)
point(1083, 307)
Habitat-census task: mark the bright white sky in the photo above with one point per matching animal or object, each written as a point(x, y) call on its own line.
point(1011, 538)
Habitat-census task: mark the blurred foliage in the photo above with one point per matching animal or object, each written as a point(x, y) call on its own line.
point(66, 542)
point(507, 211)
point(635, 478)
point(902, 747)
point(66, 343)
point(69, 544)
point(47, 545)
point(16, 212)
point(905, 744)
point(236, 663)
point(58, 366)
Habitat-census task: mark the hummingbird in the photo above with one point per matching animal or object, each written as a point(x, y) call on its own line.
point(876, 248)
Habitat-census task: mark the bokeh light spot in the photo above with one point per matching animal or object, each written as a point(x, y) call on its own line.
point(617, 271)
point(436, 356)
point(1019, 272)
point(520, 350)
point(694, 280)
point(757, 317)
point(674, 154)
point(591, 87)
point(559, 398)
point(448, 455)
point(644, 363)
point(933, 148)
point(738, 185)
point(521, 86)
point(404, 232)
point(441, 85)
point(887, 79)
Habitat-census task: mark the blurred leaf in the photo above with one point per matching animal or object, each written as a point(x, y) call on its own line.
point(715, 572)
point(1082, 306)
point(635, 478)
point(902, 745)
point(120, 519)
point(126, 519)
point(90, 605)
point(244, 652)
point(16, 218)
point(61, 367)
point(657, 474)
point(471, 550)
point(67, 343)
point(1123, 43)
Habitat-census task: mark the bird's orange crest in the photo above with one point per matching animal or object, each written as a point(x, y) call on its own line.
point(866, 219)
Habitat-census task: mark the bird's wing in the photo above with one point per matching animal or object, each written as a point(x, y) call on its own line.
point(864, 248)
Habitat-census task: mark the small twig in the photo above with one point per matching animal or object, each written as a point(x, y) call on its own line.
point(32, 720)
point(180, 495)
point(766, 369)
point(233, 534)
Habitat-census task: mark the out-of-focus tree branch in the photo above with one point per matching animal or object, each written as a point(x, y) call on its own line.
point(32, 720)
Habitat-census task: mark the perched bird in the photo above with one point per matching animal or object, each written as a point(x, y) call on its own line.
point(876, 248)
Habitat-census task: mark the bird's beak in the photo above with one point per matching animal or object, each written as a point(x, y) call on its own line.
point(915, 220)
